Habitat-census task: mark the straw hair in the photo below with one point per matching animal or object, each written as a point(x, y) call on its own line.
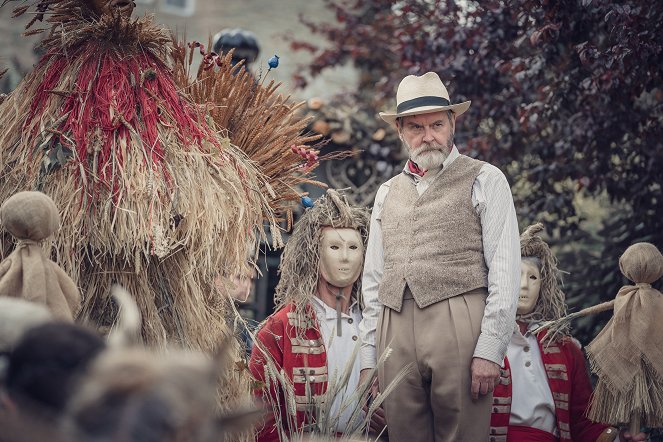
point(300, 261)
point(551, 304)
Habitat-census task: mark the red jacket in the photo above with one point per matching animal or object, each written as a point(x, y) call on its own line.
point(298, 352)
point(571, 389)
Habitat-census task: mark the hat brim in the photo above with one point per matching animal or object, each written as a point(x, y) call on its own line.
point(458, 109)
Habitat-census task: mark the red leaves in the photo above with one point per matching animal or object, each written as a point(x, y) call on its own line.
point(546, 34)
point(299, 45)
point(310, 155)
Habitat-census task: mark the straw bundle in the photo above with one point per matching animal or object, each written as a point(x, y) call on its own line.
point(257, 119)
point(150, 197)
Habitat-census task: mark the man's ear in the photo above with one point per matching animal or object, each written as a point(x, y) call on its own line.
point(399, 128)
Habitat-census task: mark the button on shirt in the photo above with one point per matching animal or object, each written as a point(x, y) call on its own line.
point(491, 197)
point(340, 350)
point(532, 404)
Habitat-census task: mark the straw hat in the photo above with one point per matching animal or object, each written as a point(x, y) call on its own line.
point(422, 95)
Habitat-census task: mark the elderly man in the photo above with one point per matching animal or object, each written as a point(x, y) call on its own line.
point(441, 276)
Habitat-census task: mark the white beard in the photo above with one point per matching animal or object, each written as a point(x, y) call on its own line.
point(429, 158)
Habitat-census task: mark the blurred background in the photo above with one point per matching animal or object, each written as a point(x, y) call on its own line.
point(567, 99)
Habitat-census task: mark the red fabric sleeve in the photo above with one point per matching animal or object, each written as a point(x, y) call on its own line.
point(582, 429)
point(268, 344)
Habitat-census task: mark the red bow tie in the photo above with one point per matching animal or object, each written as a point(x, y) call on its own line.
point(412, 167)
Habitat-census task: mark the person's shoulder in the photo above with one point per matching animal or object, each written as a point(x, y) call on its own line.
point(277, 319)
point(492, 170)
point(381, 194)
point(387, 184)
point(492, 176)
point(281, 315)
point(570, 343)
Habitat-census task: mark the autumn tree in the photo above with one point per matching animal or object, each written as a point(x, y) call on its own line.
point(566, 97)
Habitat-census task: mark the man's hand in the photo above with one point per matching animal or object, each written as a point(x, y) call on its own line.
point(364, 376)
point(485, 375)
point(378, 421)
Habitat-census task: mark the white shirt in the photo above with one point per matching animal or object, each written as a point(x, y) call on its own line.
point(339, 353)
point(532, 404)
point(491, 197)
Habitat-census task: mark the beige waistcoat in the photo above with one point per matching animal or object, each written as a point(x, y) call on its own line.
point(432, 243)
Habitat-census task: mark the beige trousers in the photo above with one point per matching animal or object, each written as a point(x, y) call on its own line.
point(433, 403)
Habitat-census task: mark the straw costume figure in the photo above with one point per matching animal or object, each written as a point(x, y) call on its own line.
point(304, 357)
point(154, 192)
point(544, 389)
point(31, 217)
point(627, 355)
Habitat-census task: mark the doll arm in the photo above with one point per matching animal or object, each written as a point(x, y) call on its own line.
point(553, 327)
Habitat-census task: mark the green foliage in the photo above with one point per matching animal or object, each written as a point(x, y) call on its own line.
point(567, 99)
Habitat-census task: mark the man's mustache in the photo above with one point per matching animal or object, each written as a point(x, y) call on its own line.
point(430, 148)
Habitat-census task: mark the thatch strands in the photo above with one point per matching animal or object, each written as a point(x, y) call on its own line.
point(262, 123)
point(151, 198)
point(300, 261)
point(68, 23)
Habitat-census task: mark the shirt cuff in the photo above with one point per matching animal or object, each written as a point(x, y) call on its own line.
point(491, 348)
point(367, 356)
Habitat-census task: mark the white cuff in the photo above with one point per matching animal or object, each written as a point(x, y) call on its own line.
point(367, 356)
point(491, 348)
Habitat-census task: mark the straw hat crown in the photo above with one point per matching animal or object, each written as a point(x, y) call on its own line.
point(422, 95)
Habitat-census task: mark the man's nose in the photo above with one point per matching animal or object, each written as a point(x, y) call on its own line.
point(344, 254)
point(523, 281)
point(428, 134)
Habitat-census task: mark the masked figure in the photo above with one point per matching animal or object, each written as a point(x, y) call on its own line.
point(544, 389)
point(304, 355)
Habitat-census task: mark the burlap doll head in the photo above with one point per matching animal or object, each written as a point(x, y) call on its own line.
point(550, 304)
point(300, 263)
point(27, 273)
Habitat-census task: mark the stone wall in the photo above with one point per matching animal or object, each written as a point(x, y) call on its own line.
point(269, 20)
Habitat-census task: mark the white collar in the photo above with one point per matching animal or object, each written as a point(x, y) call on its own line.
point(330, 313)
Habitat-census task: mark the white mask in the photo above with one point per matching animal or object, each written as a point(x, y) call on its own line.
point(341, 256)
point(530, 287)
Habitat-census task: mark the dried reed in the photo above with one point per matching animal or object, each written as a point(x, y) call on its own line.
point(257, 119)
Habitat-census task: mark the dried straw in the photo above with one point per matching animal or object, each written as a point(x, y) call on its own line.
point(551, 305)
point(161, 225)
point(257, 119)
point(301, 257)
